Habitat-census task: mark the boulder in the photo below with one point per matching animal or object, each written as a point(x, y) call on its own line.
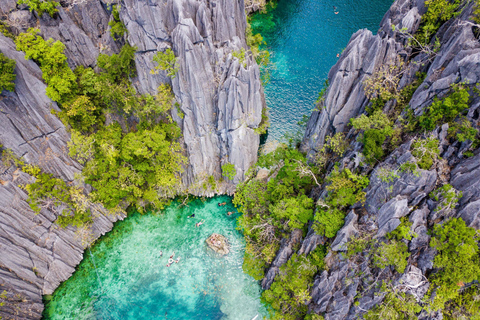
point(218, 243)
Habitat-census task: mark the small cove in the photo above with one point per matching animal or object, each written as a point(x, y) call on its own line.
point(124, 277)
point(131, 280)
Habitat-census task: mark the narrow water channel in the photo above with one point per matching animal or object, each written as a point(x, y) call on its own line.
point(124, 277)
point(304, 38)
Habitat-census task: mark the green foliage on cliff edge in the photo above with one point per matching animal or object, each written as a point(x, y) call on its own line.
point(136, 159)
point(117, 28)
point(272, 209)
point(7, 75)
point(289, 294)
point(41, 6)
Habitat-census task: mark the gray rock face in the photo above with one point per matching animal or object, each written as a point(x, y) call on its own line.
point(35, 254)
point(348, 230)
point(345, 98)
point(465, 178)
point(285, 252)
point(390, 213)
point(221, 99)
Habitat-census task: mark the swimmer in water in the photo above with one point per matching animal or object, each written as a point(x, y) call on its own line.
point(198, 224)
point(178, 259)
point(168, 265)
point(161, 253)
point(191, 216)
point(229, 213)
point(173, 255)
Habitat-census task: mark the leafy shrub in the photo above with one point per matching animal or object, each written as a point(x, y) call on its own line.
point(346, 189)
point(272, 209)
point(328, 221)
point(229, 171)
point(240, 55)
point(49, 55)
point(462, 130)
point(438, 12)
point(117, 28)
point(7, 75)
point(446, 109)
point(426, 151)
point(167, 62)
point(296, 210)
point(394, 253)
point(4, 29)
point(457, 259)
point(290, 292)
point(395, 306)
point(448, 197)
point(377, 128)
point(41, 6)
point(403, 231)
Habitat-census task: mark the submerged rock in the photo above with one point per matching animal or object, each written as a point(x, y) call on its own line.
point(218, 243)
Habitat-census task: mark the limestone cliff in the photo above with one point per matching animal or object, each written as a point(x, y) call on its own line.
point(221, 99)
point(349, 286)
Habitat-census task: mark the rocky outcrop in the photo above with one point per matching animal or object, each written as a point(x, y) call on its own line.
point(221, 99)
point(218, 243)
point(349, 286)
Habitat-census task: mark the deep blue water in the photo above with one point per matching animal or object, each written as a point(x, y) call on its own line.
point(304, 38)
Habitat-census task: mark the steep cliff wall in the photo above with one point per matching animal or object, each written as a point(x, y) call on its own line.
point(351, 285)
point(222, 101)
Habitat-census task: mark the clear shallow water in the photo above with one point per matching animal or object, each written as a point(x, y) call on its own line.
point(132, 281)
point(304, 38)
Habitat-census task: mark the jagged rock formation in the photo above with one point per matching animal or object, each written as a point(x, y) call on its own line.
point(222, 101)
point(349, 280)
point(218, 243)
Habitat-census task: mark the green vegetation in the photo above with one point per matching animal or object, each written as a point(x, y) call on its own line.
point(322, 93)
point(403, 231)
point(7, 75)
point(457, 261)
point(396, 305)
point(446, 109)
point(438, 12)
point(139, 164)
point(41, 6)
point(271, 210)
point(167, 62)
point(229, 171)
point(4, 29)
point(426, 151)
point(448, 197)
point(117, 28)
point(241, 56)
point(345, 189)
point(377, 128)
point(53, 63)
point(290, 291)
point(3, 296)
point(394, 253)
point(264, 123)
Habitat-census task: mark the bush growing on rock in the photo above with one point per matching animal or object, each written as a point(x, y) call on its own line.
point(457, 260)
point(229, 171)
point(394, 253)
point(167, 62)
point(7, 75)
point(426, 151)
point(41, 6)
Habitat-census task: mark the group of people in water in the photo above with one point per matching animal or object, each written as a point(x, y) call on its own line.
point(170, 260)
point(215, 240)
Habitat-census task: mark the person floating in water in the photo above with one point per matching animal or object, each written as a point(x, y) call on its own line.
point(173, 255)
point(178, 259)
point(221, 204)
point(198, 224)
point(191, 216)
point(336, 12)
point(229, 213)
point(168, 265)
point(161, 253)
